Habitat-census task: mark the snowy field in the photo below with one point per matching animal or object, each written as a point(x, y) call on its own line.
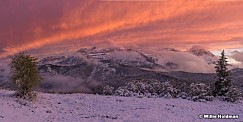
point(96, 108)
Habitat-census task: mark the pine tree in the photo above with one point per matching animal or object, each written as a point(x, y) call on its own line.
point(24, 74)
point(223, 83)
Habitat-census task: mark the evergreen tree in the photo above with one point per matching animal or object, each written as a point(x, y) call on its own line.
point(223, 83)
point(24, 75)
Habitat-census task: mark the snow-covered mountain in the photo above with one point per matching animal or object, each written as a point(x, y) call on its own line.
point(94, 67)
point(200, 52)
point(166, 59)
point(195, 60)
point(62, 60)
point(169, 49)
point(111, 59)
point(122, 56)
point(205, 54)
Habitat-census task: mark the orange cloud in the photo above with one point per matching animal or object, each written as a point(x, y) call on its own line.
point(31, 24)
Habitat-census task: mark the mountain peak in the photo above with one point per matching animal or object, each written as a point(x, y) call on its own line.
point(169, 49)
point(200, 51)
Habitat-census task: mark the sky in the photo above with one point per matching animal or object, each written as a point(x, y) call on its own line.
point(54, 25)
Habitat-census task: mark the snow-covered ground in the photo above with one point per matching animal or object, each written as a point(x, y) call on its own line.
point(96, 108)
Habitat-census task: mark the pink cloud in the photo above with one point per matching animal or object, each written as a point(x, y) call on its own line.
point(33, 24)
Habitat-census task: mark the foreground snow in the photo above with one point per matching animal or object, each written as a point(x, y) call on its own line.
point(87, 108)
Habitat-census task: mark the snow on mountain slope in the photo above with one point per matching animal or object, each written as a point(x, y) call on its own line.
point(129, 58)
point(95, 108)
point(64, 60)
point(204, 54)
point(165, 59)
point(175, 60)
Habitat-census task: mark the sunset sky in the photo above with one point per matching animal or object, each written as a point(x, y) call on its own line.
point(68, 24)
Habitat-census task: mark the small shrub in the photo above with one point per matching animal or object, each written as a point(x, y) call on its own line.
point(147, 88)
point(182, 95)
point(200, 91)
point(108, 90)
point(233, 94)
point(121, 91)
point(168, 91)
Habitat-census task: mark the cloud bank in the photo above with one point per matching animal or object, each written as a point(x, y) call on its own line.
point(34, 24)
point(66, 84)
point(238, 56)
